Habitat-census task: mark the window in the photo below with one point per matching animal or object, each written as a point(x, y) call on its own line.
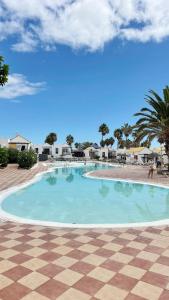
point(46, 151)
point(56, 150)
point(22, 148)
point(36, 150)
point(65, 151)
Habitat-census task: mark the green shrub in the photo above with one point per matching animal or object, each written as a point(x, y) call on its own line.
point(13, 156)
point(3, 157)
point(26, 159)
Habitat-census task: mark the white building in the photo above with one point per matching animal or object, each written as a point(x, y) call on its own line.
point(140, 155)
point(56, 151)
point(19, 143)
point(99, 152)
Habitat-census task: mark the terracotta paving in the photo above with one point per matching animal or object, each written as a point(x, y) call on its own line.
point(81, 264)
point(136, 173)
point(12, 176)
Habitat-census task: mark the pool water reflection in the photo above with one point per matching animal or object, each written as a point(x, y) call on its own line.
point(66, 196)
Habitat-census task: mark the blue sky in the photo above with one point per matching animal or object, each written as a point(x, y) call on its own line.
point(76, 89)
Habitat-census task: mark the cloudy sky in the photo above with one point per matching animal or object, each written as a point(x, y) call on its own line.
point(77, 63)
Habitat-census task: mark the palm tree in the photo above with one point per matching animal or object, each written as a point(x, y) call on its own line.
point(109, 142)
point(103, 129)
point(121, 144)
point(136, 140)
point(4, 71)
point(127, 130)
point(77, 145)
point(154, 120)
point(118, 135)
point(70, 140)
point(128, 143)
point(103, 143)
point(51, 138)
point(146, 143)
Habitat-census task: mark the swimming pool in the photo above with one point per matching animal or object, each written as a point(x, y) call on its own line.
point(66, 196)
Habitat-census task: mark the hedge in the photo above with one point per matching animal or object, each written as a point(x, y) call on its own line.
point(13, 156)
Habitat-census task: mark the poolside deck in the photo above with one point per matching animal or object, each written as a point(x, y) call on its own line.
point(12, 176)
point(136, 173)
point(81, 264)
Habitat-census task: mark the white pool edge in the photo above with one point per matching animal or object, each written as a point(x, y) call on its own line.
point(4, 216)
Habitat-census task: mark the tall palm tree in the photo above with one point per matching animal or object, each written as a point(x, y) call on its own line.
point(103, 129)
point(110, 141)
point(70, 140)
point(135, 136)
point(51, 138)
point(127, 130)
point(154, 120)
point(118, 135)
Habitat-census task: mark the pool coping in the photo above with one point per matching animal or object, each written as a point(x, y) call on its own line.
point(4, 216)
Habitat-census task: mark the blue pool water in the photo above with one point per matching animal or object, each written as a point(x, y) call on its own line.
point(68, 197)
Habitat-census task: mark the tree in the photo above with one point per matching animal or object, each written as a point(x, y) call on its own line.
point(146, 143)
point(85, 145)
point(3, 157)
point(103, 129)
point(154, 120)
point(51, 138)
point(102, 143)
point(126, 130)
point(118, 135)
point(13, 155)
point(121, 143)
point(128, 143)
point(4, 71)
point(136, 139)
point(109, 142)
point(70, 140)
point(77, 145)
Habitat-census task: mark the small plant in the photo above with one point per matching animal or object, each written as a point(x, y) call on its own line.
point(26, 159)
point(3, 157)
point(13, 156)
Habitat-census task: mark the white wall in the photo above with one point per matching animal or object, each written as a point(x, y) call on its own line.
point(52, 149)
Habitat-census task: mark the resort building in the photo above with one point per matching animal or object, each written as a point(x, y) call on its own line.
point(99, 152)
point(19, 143)
point(138, 155)
point(56, 151)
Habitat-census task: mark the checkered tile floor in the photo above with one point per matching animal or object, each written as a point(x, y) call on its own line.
point(48, 263)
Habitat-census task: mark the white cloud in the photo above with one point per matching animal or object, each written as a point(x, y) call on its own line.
point(82, 23)
point(17, 86)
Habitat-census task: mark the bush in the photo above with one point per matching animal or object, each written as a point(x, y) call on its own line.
point(3, 157)
point(26, 159)
point(13, 156)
